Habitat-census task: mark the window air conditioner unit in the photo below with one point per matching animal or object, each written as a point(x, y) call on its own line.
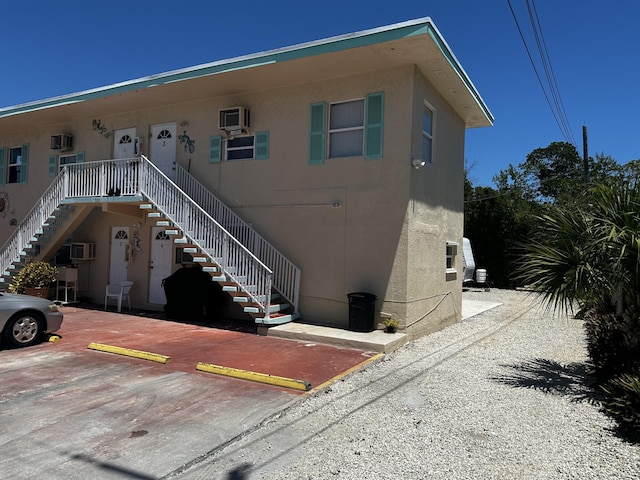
point(83, 251)
point(234, 118)
point(61, 142)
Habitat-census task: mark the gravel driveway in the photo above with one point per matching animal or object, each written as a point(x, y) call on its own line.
point(500, 395)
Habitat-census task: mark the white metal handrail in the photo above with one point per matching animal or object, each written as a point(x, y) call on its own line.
point(34, 220)
point(138, 176)
point(238, 263)
point(286, 276)
point(103, 178)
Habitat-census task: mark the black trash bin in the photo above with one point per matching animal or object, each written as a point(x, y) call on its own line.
point(361, 311)
point(191, 294)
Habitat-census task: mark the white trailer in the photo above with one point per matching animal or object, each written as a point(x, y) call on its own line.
point(468, 262)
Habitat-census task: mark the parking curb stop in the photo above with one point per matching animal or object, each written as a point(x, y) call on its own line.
point(254, 376)
point(154, 357)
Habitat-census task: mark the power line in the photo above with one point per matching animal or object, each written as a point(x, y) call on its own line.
point(546, 62)
point(562, 122)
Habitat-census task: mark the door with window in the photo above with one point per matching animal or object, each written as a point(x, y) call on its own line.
point(124, 143)
point(163, 148)
point(120, 251)
point(159, 265)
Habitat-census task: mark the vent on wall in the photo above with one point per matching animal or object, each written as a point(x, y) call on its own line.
point(64, 143)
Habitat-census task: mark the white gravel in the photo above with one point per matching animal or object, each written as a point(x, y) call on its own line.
point(500, 395)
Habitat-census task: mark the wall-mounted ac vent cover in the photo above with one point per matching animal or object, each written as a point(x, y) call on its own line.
point(234, 118)
point(61, 142)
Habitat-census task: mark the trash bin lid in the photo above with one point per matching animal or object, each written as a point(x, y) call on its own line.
point(368, 296)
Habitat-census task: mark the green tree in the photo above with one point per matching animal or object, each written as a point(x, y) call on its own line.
point(496, 222)
point(556, 174)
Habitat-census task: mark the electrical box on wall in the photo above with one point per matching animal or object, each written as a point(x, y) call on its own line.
point(61, 142)
point(83, 251)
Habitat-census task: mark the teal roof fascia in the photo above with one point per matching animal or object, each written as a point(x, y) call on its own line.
point(334, 44)
point(457, 67)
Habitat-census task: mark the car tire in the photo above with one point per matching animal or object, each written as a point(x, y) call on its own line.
point(24, 329)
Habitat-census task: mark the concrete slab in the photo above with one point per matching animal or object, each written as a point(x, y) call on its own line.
point(471, 308)
point(376, 341)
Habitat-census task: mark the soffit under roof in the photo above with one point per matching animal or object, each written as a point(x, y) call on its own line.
point(421, 45)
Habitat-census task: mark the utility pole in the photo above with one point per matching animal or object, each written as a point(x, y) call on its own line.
point(585, 151)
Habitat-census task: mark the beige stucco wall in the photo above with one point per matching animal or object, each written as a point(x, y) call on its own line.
point(350, 224)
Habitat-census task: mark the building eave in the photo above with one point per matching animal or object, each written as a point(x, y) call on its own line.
point(467, 96)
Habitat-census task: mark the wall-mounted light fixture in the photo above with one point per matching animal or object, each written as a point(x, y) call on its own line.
point(417, 163)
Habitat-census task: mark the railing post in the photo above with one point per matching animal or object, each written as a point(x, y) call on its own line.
point(225, 252)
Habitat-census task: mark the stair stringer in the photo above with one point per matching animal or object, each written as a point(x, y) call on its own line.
point(80, 213)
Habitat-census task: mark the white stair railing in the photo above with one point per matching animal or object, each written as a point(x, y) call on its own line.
point(43, 209)
point(137, 176)
point(286, 276)
point(238, 263)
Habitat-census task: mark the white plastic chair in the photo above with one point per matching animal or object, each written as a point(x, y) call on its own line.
point(118, 291)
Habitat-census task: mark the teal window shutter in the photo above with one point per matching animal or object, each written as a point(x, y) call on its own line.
point(262, 146)
point(53, 162)
point(317, 126)
point(374, 126)
point(3, 164)
point(24, 167)
point(215, 149)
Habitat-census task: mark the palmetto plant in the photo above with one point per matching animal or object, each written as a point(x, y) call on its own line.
point(589, 256)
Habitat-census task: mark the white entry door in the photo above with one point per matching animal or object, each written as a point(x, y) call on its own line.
point(163, 148)
point(120, 251)
point(160, 264)
point(124, 143)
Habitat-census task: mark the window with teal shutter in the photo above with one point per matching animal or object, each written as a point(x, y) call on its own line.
point(374, 126)
point(24, 168)
point(53, 162)
point(262, 146)
point(80, 157)
point(3, 164)
point(317, 125)
point(215, 149)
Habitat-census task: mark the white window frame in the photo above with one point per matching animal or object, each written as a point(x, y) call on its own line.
point(251, 148)
point(352, 128)
point(450, 257)
point(61, 164)
point(428, 137)
point(17, 165)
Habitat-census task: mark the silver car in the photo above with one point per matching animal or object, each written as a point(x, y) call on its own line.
point(24, 320)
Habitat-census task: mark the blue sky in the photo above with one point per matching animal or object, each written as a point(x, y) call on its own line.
point(52, 48)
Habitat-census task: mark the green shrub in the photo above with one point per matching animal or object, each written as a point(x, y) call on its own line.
point(622, 402)
point(34, 275)
point(613, 342)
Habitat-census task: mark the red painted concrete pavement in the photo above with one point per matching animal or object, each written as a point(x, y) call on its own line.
point(189, 344)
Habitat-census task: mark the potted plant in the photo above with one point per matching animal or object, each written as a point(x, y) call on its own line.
point(390, 325)
point(35, 279)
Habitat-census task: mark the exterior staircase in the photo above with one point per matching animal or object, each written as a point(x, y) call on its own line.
point(268, 294)
point(266, 309)
point(47, 239)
